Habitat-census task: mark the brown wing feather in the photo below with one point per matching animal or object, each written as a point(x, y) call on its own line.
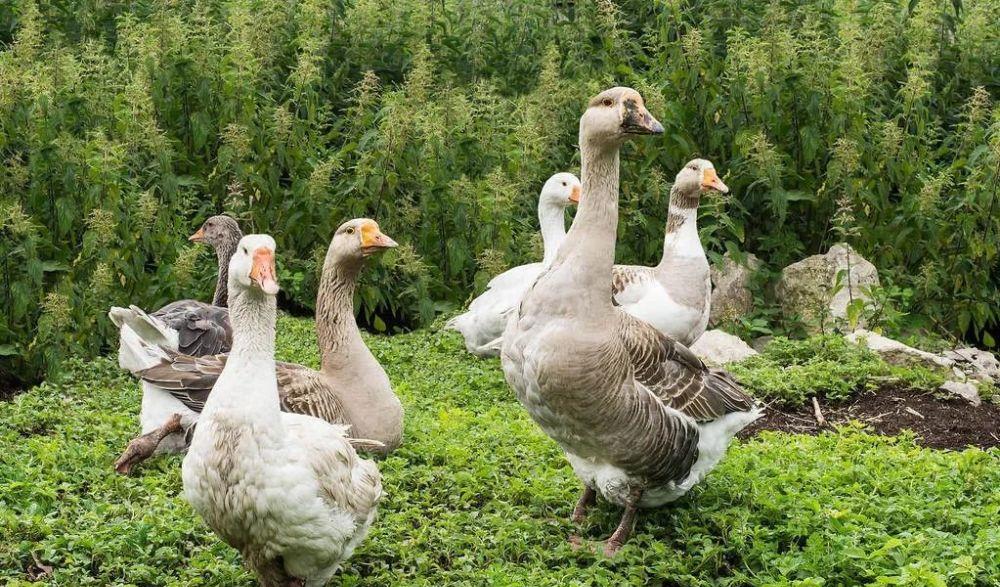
point(678, 377)
point(189, 379)
point(305, 391)
point(300, 389)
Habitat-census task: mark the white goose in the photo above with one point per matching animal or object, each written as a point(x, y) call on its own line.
point(674, 296)
point(641, 419)
point(286, 490)
point(483, 323)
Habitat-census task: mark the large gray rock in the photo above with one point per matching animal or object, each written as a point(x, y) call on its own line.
point(731, 295)
point(897, 353)
point(717, 348)
point(975, 363)
point(806, 288)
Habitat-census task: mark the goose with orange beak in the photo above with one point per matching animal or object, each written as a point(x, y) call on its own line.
point(482, 325)
point(287, 490)
point(350, 388)
point(675, 296)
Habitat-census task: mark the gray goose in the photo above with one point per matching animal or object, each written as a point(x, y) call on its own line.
point(674, 296)
point(188, 326)
point(350, 388)
point(640, 418)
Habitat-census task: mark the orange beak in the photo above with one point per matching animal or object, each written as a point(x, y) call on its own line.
point(574, 194)
point(262, 272)
point(373, 240)
point(198, 236)
point(710, 180)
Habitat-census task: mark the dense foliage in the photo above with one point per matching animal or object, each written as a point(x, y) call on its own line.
point(124, 123)
point(479, 495)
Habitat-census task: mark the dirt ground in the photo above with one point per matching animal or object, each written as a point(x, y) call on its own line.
point(938, 423)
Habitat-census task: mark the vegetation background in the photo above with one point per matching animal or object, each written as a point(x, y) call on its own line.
point(124, 123)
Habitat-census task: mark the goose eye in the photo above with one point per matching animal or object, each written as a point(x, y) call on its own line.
point(608, 102)
point(245, 251)
point(564, 184)
point(350, 231)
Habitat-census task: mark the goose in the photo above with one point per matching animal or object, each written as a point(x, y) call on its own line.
point(286, 490)
point(188, 326)
point(482, 325)
point(674, 296)
point(351, 386)
point(640, 418)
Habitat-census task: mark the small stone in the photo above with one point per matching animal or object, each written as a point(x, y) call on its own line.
point(717, 348)
point(978, 364)
point(897, 353)
point(964, 389)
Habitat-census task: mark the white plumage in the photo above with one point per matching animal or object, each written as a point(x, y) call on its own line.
point(287, 490)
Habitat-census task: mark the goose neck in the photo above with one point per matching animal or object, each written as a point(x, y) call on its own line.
point(336, 328)
point(681, 234)
point(223, 253)
point(584, 261)
point(252, 315)
point(551, 220)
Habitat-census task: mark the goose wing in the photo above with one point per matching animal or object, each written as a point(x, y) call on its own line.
point(305, 391)
point(346, 480)
point(678, 377)
point(190, 379)
point(629, 283)
point(202, 329)
point(187, 378)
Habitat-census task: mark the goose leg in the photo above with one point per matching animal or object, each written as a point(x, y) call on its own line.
point(143, 447)
point(624, 529)
point(587, 499)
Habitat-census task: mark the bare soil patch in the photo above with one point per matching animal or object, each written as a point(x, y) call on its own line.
point(949, 423)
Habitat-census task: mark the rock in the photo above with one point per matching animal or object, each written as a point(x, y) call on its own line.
point(731, 295)
point(975, 363)
point(760, 343)
point(965, 390)
point(717, 348)
point(807, 287)
point(897, 353)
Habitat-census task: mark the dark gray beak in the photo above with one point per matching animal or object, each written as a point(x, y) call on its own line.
point(638, 120)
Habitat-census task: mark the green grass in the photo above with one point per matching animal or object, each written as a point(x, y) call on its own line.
point(789, 372)
point(477, 495)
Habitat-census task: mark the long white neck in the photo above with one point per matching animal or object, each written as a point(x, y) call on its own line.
point(250, 382)
point(588, 253)
point(552, 220)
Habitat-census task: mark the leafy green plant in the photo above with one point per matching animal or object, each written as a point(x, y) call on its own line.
point(791, 371)
point(124, 124)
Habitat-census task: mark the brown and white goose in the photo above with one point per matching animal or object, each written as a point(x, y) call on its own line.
point(675, 295)
point(188, 326)
point(641, 419)
point(350, 388)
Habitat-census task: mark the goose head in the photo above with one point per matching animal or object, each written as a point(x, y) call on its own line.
point(699, 176)
point(359, 238)
point(252, 265)
point(615, 115)
point(560, 191)
point(217, 230)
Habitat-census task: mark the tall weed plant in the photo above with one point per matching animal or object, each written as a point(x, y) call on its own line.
point(124, 124)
